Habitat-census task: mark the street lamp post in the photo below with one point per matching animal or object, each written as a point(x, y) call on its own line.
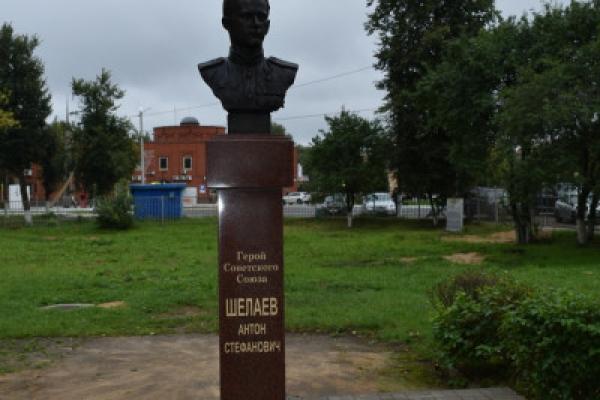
point(142, 166)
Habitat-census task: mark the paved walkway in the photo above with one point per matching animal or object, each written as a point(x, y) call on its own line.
point(471, 394)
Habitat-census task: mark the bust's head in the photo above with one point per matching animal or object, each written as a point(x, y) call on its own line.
point(247, 21)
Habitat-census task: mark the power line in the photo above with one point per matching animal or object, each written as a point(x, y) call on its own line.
point(214, 104)
point(323, 114)
point(330, 78)
point(154, 114)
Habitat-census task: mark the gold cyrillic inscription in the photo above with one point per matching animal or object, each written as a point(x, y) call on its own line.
point(228, 267)
point(251, 307)
point(252, 329)
point(251, 257)
point(252, 347)
point(241, 279)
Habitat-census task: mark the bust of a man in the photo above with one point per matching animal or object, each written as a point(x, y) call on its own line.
point(246, 82)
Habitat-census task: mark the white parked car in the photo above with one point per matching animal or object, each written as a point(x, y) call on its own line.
point(565, 209)
point(379, 203)
point(297, 198)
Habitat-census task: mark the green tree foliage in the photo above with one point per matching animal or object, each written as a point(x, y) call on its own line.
point(348, 158)
point(6, 117)
point(28, 101)
point(413, 37)
point(104, 151)
point(278, 129)
point(553, 109)
point(463, 95)
point(517, 105)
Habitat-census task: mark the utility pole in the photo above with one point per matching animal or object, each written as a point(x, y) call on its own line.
point(142, 167)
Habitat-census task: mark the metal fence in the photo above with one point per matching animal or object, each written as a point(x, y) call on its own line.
point(12, 213)
point(487, 206)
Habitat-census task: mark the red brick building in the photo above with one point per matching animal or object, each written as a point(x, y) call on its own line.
point(178, 155)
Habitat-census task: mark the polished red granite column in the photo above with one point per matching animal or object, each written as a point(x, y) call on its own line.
point(249, 172)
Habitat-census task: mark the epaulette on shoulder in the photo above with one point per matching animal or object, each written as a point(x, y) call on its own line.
point(283, 63)
point(212, 63)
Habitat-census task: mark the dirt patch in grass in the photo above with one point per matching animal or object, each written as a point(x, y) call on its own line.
point(499, 237)
point(112, 305)
point(184, 312)
point(466, 258)
point(186, 367)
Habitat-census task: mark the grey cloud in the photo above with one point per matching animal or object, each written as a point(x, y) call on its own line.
point(152, 47)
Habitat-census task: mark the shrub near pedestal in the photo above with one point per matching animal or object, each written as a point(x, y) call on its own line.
point(469, 320)
point(548, 343)
point(553, 341)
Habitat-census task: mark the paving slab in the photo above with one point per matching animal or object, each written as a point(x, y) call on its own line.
point(465, 394)
point(185, 367)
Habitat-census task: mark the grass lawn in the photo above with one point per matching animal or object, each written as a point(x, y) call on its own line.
point(372, 279)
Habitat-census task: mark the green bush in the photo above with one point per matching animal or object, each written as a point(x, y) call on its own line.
point(467, 330)
point(550, 343)
point(469, 283)
point(114, 212)
point(553, 341)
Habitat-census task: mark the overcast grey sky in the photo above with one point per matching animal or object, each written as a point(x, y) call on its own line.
point(152, 48)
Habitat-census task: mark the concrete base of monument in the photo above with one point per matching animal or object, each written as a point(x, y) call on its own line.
point(186, 367)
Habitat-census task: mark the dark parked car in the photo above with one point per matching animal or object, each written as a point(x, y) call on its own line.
point(333, 205)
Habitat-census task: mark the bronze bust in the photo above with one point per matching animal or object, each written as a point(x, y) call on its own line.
point(246, 82)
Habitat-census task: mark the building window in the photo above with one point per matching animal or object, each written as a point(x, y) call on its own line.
point(187, 163)
point(163, 163)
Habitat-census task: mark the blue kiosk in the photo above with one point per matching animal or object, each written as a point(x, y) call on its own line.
point(164, 201)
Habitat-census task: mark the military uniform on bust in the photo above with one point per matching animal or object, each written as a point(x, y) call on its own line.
point(249, 88)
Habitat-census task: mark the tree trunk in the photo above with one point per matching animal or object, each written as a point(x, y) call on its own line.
point(592, 217)
point(349, 208)
point(582, 237)
point(26, 202)
point(434, 211)
point(582, 234)
point(524, 227)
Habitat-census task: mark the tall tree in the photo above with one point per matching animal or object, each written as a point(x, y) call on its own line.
point(105, 153)
point(348, 158)
point(523, 95)
point(557, 101)
point(22, 81)
point(413, 37)
point(461, 95)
